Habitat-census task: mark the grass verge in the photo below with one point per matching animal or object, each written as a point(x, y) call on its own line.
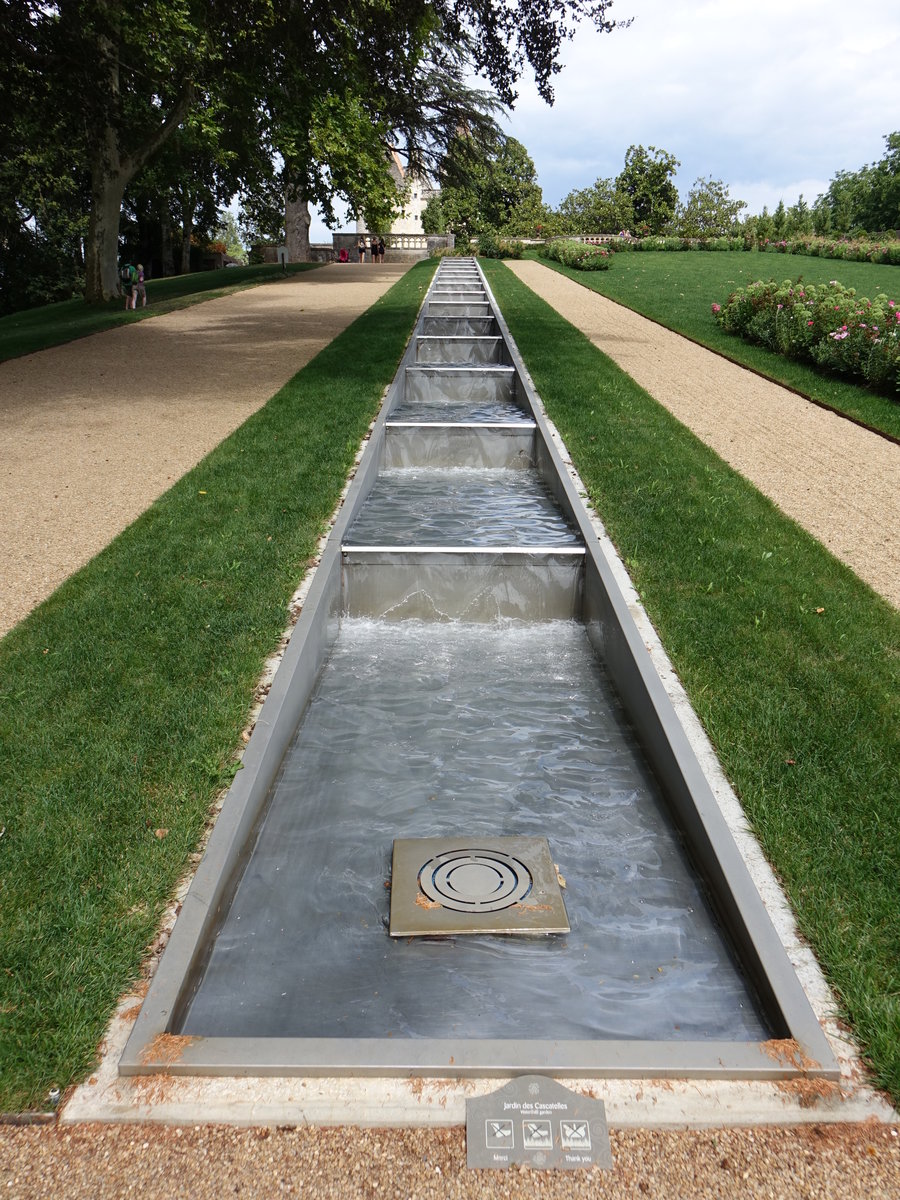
point(677, 290)
point(55, 324)
point(122, 698)
point(789, 659)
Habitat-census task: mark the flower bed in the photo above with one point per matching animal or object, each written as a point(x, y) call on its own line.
point(827, 324)
point(886, 252)
point(580, 255)
point(669, 242)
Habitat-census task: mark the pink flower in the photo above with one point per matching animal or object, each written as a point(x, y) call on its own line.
point(809, 322)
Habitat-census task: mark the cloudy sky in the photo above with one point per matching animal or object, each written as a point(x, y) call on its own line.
point(773, 97)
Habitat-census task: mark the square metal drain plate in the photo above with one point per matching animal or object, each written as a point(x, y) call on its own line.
point(475, 885)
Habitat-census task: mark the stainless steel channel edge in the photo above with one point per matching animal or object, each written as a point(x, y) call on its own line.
point(799, 1047)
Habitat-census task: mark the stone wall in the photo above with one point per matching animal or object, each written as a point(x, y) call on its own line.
point(399, 247)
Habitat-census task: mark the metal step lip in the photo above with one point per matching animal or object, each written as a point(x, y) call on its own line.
point(453, 308)
point(484, 551)
point(463, 368)
point(479, 426)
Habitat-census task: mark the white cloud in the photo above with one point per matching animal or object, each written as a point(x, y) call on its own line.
point(771, 96)
point(774, 93)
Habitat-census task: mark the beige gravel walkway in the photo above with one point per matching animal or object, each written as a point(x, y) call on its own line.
point(92, 432)
point(818, 1162)
point(840, 482)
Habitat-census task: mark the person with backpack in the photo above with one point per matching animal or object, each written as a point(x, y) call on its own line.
point(128, 275)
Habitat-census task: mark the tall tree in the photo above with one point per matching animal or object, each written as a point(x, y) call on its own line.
point(709, 210)
point(486, 187)
point(647, 179)
point(602, 208)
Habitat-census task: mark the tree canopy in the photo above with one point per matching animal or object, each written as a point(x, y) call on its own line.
point(647, 179)
point(641, 198)
point(93, 89)
point(485, 186)
point(709, 210)
point(867, 199)
point(601, 208)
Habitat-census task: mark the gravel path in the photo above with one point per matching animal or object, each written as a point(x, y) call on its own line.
point(837, 480)
point(101, 1162)
point(91, 433)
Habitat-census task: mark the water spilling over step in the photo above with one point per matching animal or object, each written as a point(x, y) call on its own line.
point(465, 671)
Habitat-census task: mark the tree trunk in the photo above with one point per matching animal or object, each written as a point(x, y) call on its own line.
point(165, 229)
point(186, 245)
point(296, 226)
point(188, 206)
point(111, 172)
point(101, 251)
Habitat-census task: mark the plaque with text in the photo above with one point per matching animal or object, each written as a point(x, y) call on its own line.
point(536, 1121)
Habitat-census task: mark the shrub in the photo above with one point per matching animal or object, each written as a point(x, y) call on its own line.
point(826, 324)
point(853, 249)
point(492, 245)
point(461, 250)
point(580, 255)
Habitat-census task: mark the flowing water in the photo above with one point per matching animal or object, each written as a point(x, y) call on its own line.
point(434, 506)
point(421, 730)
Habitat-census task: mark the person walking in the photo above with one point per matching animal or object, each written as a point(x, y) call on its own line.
point(361, 248)
point(128, 275)
point(381, 248)
point(140, 291)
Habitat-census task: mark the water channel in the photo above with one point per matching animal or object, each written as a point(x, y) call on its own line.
point(463, 673)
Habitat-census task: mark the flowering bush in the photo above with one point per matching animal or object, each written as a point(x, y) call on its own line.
point(854, 251)
point(580, 255)
point(825, 323)
point(670, 242)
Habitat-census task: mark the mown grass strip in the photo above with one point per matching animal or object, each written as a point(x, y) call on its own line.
point(789, 659)
point(676, 289)
point(123, 696)
point(54, 324)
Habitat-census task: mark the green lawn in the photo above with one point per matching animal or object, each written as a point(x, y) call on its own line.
point(678, 289)
point(122, 698)
point(54, 324)
point(789, 659)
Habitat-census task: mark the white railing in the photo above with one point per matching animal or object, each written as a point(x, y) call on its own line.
point(407, 241)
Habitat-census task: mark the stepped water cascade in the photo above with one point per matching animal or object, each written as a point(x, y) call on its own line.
point(470, 835)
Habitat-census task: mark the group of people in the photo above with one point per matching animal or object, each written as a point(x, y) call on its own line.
point(133, 285)
point(376, 246)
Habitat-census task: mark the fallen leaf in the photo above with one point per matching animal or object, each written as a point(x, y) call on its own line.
point(791, 762)
point(161, 833)
point(820, 610)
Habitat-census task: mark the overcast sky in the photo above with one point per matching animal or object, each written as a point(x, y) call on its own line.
point(773, 97)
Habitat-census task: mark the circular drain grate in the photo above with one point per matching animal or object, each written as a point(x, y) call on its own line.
point(475, 881)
